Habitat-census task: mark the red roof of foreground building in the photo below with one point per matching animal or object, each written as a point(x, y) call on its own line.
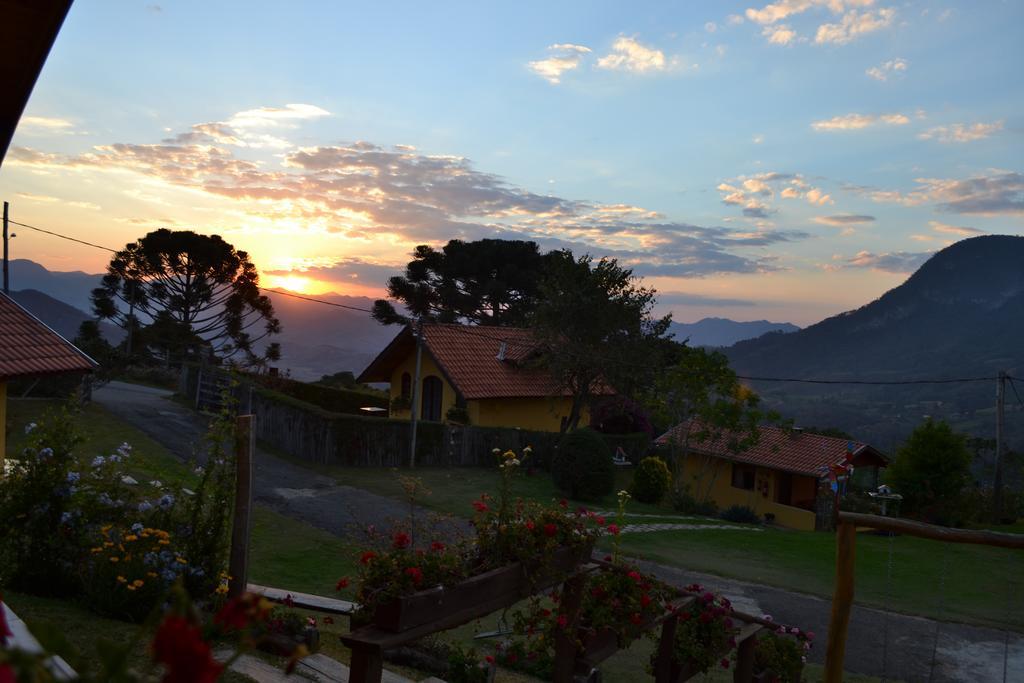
point(28, 348)
point(468, 357)
point(789, 450)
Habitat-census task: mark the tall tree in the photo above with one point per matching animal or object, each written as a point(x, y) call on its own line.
point(186, 291)
point(930, 471)
point(595, 325)
point(486, 282)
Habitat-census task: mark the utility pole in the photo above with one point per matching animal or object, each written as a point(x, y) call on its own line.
point(414, 412)
point(7, 283)
point(131, 317)
point(997, 484)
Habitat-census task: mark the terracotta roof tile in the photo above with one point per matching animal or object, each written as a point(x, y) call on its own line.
point(782, 449)
point(468, 356)
point(29, 348)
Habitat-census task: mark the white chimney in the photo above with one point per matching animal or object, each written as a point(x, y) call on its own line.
point(501, 351)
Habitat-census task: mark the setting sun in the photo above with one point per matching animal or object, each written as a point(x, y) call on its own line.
point(293, 283)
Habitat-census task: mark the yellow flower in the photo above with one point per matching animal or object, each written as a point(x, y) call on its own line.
point(106, 529)
point(138, 583)
point(108, 544)
point(130, 537)
point(114, 559)
point(151, 575)
point(96, 550)
point(121, 579)
point(181, 560)
point(164, 541)
point(130, 587)
point(221, 589)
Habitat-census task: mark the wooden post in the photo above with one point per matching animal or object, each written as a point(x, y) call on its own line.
point(245, 444)
point(6, 238)
point(842, 601)
point(744, 671)
point(565, 637)
point(666, 669)
point(367, 665)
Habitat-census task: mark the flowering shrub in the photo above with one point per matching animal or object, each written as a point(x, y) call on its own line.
point(781, 659)
point(652, 480)
point(705, 632)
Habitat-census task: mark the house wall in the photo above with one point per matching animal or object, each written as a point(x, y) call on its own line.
point(542, 414)
point(427, 368)
point(713, 477)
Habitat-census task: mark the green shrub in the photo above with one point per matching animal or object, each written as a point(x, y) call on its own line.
point(651, 480)
point(741, 514)
point(582, 466)
point(684, 502)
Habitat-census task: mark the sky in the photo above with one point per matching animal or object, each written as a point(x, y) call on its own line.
point(784, 161)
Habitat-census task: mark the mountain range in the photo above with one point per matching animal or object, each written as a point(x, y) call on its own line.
point(315, 339)
point(960, 316)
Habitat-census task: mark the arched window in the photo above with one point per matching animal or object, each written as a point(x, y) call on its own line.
point(431, 406)
point(406, 385)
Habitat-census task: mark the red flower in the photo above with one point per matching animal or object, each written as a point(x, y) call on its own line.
point(563, 503)
point(636, 618)
point(809, 635)
point(563, 620)
point(600, 521)
point(489, 659)
point(342, 584)
point(480, 506)
point(545, 613)
point(645, 600)
point(416, 573)
point(233, 616)
point(597, 591)
point(725, 663)
point(401, 540)
point(179, 646)
point(437, 545)
point(367, 557)
point(511, 657)
point(684, 616)
point(328, 620)
point(550, 530)
point(530, 525)
point(7, 674)
point(706, 617)
point(613, 529)
point(635, 575)
point(289, 601)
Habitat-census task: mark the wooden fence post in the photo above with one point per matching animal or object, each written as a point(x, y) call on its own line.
point(565, 637)
point(241, 529)
point(842, 601)
point(666, 668)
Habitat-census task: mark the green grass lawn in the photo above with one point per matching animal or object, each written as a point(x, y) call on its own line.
point(980, 583)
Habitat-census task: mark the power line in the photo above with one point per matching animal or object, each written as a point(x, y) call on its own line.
point(955, 380)
point(315, 300)
point(63, 237)
point(1014, 387)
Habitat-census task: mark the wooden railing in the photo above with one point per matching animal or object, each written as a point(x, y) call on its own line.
point(846, 546)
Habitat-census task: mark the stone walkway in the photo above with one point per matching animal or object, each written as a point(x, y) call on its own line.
point(672, 526)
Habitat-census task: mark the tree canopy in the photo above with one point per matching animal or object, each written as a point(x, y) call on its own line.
point(486, 282)
point(182, 292)
point(595, 325)
point(930, 471)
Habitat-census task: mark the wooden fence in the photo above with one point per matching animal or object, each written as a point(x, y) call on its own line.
point(846, 547)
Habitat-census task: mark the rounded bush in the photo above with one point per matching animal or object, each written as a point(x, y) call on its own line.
point(741, 514)
point(651, 480)
point(582, 466)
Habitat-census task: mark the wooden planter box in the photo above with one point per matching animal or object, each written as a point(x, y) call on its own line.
point(479, 595)
point(281, 644)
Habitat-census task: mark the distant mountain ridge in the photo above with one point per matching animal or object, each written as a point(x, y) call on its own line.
point(725, 332)
point(62, 318)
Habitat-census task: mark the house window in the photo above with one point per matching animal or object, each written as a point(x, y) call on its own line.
point(406, 385)
point(431, 406)
point(784, 488)
point(743, 476)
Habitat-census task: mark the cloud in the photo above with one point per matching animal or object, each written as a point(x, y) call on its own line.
point(346, 270)
point(630, 55)
point(844, 219)
point(276, 117)
point(899, 262)
point(45, 125)
point(372, 194)
point(961, 132)
point(883, 71)
point(687, 299)
point(860, 121)
point(755, 193)
point(565, 57)
point(983, 195)
point(734, 20)
point(958, 230)
point(853, 25)
point(779, 35)
point(711, 27)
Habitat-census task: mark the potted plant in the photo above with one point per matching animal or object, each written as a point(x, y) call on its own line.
point(704, 634)
point(780, 659)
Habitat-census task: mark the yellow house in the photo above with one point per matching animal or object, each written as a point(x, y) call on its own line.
point(28, 348)
point(778, 477)
point(474, 374)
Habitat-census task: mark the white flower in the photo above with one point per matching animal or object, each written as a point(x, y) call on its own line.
point(156, 483)
point(98, 461)
point(29, 427)
point(145, 506)
point(124, 450)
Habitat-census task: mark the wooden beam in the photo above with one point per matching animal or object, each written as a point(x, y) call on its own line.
point(241, 529)
point(565, 637)
point(842, 601)
point(936, 533)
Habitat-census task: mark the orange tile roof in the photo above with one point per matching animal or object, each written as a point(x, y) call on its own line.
point(28, 348)
point(783, 449)
point(468, 357)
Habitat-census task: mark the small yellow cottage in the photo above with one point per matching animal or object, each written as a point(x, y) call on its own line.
point(778, 477)
point(479, 372)
point(28, 348)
